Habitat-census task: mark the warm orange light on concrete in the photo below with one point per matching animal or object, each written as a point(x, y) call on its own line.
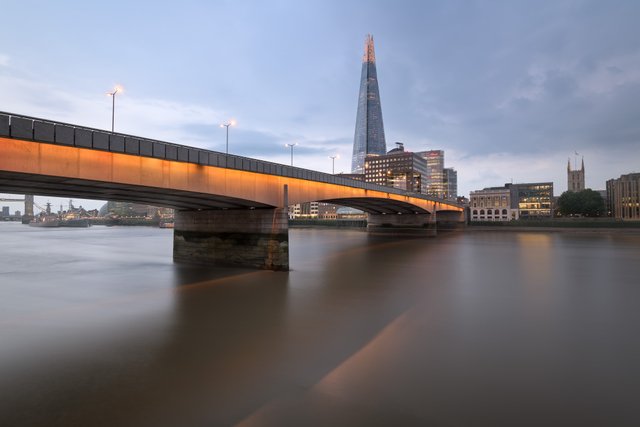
point(93, 165)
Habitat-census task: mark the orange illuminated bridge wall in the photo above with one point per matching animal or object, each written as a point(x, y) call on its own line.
point(229, 209)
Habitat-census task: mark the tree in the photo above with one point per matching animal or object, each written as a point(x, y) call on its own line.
point(586, 202)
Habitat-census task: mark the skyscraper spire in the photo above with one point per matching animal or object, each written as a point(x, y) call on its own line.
point(369, 134)
point(369, 53)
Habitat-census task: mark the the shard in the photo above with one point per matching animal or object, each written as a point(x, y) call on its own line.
point(369, 135)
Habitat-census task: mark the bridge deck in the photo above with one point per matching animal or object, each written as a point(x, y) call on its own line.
point(159, 154)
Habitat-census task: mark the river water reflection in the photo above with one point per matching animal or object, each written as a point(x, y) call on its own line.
point(99, 327)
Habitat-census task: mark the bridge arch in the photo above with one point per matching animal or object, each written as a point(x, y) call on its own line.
point(375, 205)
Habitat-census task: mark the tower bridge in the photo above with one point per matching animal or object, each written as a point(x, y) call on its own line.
point(229, 209)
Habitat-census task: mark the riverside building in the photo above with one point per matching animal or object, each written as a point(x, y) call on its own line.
point(492, 204)
point(513, 201)
point(534, 200)
point(623, 197)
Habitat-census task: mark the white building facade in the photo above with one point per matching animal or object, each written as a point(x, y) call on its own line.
point(492, 204)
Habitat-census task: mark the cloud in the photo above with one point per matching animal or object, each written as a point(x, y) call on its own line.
point(182, 123)
point(500, 87)
point(152, 118)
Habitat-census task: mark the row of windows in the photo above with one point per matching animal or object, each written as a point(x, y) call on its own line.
point(497, 204)
point(490, 212)
point(490, 218)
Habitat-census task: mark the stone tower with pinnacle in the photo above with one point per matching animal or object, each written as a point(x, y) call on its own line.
point(575, 178)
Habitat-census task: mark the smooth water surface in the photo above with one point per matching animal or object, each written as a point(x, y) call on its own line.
point(99, 328)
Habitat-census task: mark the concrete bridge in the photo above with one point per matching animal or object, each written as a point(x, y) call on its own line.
point(229, 209)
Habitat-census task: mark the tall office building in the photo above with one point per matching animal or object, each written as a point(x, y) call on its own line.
point(575, 178)
point(435, 173)
point(369, 134)
point(451, 183)
point(623, 197)
point(398, 169)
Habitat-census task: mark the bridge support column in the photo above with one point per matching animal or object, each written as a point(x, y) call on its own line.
point(451, 220)
point(257, 238)
point(423, 224)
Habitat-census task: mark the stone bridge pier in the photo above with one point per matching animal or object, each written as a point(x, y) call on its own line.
point(409, 223)
point(451, 220)
point(257, 238)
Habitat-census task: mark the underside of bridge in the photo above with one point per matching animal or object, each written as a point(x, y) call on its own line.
point(374, 205)
point(53, 186)
point(18, 183)
point(221, 230)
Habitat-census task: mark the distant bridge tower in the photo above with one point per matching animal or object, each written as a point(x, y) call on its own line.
point(575, 178)
point(28, 209)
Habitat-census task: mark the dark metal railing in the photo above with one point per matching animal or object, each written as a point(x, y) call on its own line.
point(54, 132)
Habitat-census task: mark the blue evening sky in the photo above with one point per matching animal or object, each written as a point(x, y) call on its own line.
point(509, 89)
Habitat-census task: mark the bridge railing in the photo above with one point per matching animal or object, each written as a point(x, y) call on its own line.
point(60, 133)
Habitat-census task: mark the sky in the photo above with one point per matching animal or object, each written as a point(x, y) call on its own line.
point(510, 90)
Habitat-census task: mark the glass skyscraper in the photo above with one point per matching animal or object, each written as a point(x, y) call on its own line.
point(436, 185)
point(450, 183)
point(369, 135)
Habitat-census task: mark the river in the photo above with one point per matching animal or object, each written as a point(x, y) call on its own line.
point(99, 328)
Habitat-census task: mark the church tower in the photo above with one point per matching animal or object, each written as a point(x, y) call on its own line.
point(575, 178)
point(369, 135)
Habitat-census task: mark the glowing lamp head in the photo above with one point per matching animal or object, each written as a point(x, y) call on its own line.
point(116, 89)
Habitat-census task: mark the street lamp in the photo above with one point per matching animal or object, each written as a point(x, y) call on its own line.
point(113, 104)
point(291, 146)
point(226, 125)
point(333, 163)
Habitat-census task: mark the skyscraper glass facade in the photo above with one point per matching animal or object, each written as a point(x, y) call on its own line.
point(369, 134)
point(435, 185)
point(533, 200)
point(451, 183)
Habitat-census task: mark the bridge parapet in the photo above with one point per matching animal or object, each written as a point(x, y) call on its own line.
point(66, 134)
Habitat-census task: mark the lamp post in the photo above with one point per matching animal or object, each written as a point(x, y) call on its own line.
point(291, 146)
point(226, 125)
point(333, 163)
point(113, 105)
